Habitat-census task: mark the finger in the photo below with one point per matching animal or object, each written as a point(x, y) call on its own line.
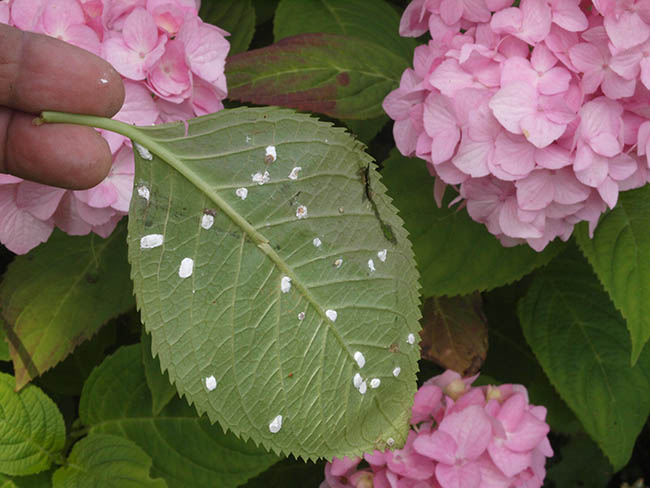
point(39, 73)
point(67, 156)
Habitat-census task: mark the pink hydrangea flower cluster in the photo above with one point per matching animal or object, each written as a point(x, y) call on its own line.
point(172, 65)
point(538, 114)
point(461, 437)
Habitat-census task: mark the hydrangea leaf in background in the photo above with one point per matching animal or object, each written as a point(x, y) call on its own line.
point(162, 391)
point(235, 16)
point(339, 76)
point(32, 433)
point(581, 342)
point(4, 346)
point(106, 461)
point(185, 449)
point(60, 295)
point(275, 279)
point(455, 255)
point(376, 22)
point(40, 480)
point(620, 255)
point(581, 463)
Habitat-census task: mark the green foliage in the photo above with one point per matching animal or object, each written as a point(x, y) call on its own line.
point(339, 76)
point(235, 16)
point(376, 22)
point(162, 391)
point(289, 473)
point(4, 346)
point(620, 255)
point(455, 255)
point(580, 340)
point(185, 449)
point(580, 463)
point(40, 480)
point(32, 433)
point(60, 295)
point(106, 461)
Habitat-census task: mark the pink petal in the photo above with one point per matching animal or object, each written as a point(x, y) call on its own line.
point(126, 61)
point(84, 37)
point(205, 47)
point(451, 11)
point(512, 225)
point(553, 157)
point(140, 31)
point(540, 131)
point(513, 155)
point(512, 103)
point(556, 80)
point(615, 86)
point(426, 401)
point(100, 196)
point(608, 190)
point(626, 30)
point(58, 15)
point(535, 191)
point(105, 230)
point(528, 433)
point(536, 20)
point(449, 77)
point(414, 19)
point(206, 99)
point(470, 428)
point(39, 200)
point(622, 167)
point(341, 467)
point(438, 446)
point(586, 57)
point(568, 190)
point(170, 78)
point(472, 157)
point(510, 463)
point(542, 58)
point(138, 108)
point(20, 231)
point(568, 15)
point(595, 173)
point(626, 63)
point(465, 476)
point(27, 14)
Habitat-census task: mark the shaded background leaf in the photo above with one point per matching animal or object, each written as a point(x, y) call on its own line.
point(59, 295)
point(235, 16)
point(161, 389)
point(4, 345)
point(339, 76)
point(454, 333)
point(620, 255)
point(185, 449)
point(40, 480)
point(32, 433)
point(106, 461)
point(581, 342)
point(455, 255)
point(579, 463)
point(290, 473)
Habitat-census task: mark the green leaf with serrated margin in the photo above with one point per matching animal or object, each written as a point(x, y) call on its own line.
point(186, 450)
point(32, 432)
point(339, 76)
point(580, 463)
point(59, 295)
point(211, 273)
point(581, 342)
point(162, 391)
point(375, 21)
point(620, 255)
point(455, 255)
point(40, 480)
point(235, 16)
point(106, 461)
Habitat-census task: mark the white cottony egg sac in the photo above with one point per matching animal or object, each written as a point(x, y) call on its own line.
point(150, 241)
point(143, 191)
point(294, 173)
point(241, 193)
point(375, 382)
point(397, 371)
point(143, 152)
point(276, 424)
point(210, 383)
point(382, 255)
point(331, 314)
point(261, 178)
point(360, 359)
point(270, 155)
point(301, 212)
point(357, 380)
point(410, 339)
point(285, 284)
point(186, 268)
point(207, 220)
point(371, 265)
point(317, 242)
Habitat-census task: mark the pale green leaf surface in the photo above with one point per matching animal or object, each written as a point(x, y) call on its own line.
point(580, 340)
point(106, 461)
point(237, 17)
point(59, 295)
point(229, 318)
point(162, 391)
point(375, 21)
point(186, 450)
point(32, 432)
point(455, 255)
point(620, 255)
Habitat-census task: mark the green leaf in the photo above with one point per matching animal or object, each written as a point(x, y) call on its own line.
point(32, 433)
point(226, 316)
point(620, 256)
point(264, 10)
point(59, 295)
point(106, 461)
point(235, 16)
point(4, 346)
point(366, 130)
point(186, 450)
point(455, 255)
point(290, 473)
point(581, 342)
point(162, 391)
point(581, 463)
point(339, 76)
point(40, 480)
point(375, 21)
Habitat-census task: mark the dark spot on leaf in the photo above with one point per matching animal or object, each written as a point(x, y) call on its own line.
point(290, 375)
point(268, 159)
point(148, 222)
point(209, 211)
point(394, 347)
point(92, 278)
point(343, 79)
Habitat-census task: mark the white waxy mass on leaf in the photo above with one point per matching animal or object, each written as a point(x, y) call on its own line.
point(338, 263)
point(261, 178)
point(270, 155)
point(294, 173)
point(410, 339)
point(360, 359)
point(363, 387)
point(150, 241)
point(276, 424)
point(210, 383)
point(207, 220)
point(371, 265)
point(317, 242)
point(301, 212)
point(143, 191)
point(397, 371)
point(331, 314)
point(382, 255)
point(242, 193)
point(186, 268)
point(143, 152)
point(301, 316)
point(375, 382)
point(357, 380)
point(285, 284)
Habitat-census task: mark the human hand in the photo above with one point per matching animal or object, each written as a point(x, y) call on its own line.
point(39, 73)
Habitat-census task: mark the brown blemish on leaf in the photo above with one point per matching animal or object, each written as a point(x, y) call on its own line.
point(343, 79)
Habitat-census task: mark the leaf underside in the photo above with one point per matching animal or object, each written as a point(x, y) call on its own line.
point(230, 319)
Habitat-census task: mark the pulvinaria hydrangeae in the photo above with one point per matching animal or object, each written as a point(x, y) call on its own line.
point(172, 65)
point(538, 114)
